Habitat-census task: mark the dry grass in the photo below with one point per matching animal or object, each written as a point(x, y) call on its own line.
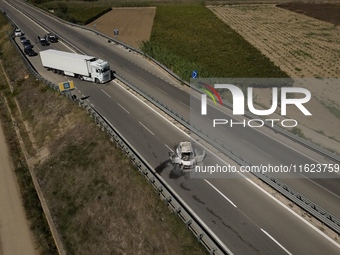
point(99, 201)
point(15, 71)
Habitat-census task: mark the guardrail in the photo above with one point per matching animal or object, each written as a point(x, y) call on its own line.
point(277, 129)
point(317, 211)
point(55, 235)
point(202, 232)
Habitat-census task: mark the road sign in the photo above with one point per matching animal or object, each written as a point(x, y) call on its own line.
point(194, 74)
point(66, 86)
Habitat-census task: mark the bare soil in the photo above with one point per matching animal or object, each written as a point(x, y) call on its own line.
point(323, 11)
point(15, 235)
point(134, 24)
point(301, 46)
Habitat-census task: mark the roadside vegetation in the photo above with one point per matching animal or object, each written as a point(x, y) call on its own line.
point(98, 200)
point(11, 62)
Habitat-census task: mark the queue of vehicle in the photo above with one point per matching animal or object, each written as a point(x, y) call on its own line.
point(76, 65)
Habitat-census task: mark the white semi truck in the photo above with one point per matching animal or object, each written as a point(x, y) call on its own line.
point(80, 66)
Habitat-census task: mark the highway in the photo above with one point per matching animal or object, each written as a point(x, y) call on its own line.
point(244, 141)
point(253, 144)
point(258, 224)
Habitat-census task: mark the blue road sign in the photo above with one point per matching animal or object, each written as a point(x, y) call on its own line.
point(194, 74)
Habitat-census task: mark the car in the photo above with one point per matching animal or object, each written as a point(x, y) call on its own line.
point(43, 41)
point(53, 38)
point(22, 38)
point(27, 44)
point(30, 52)
point(18, 32)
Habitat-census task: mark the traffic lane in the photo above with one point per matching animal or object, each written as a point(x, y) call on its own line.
point(155, 124)
point(138, 70)
point(31, 30)
point(127, 124)
point(319, 194)
point(280, 223)
point(134, 120)
point(315, 189)
point(234, 184)
point(269, 151)
point(93, 91)
point(286, 232)
point(123, 123)
point(165, 92)
point(237, 231)
point(123, 66)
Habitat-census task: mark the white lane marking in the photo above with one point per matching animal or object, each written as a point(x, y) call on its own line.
point(247, 179)
point(88, 100)
point(123, 108)
point(169, 147)
point(256, 148)
point(161, 90)
point(106, 93)
point(294, 213)
point(320, 186)
point(153, 110)
point(220, 193)
point(92, 105)
point(183, 104)
point(283, 248)
point(82, 95)
point(146, 128)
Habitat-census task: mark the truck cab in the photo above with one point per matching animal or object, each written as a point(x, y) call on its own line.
point(100, 71)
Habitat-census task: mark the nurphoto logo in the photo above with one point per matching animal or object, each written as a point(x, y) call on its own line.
point(239, 104)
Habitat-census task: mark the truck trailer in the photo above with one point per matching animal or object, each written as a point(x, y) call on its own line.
point(80, 66)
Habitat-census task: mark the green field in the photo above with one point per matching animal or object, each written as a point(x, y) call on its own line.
point(83, 12)
point(187, 38)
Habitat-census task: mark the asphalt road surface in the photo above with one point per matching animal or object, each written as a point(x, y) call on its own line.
point(246, 219)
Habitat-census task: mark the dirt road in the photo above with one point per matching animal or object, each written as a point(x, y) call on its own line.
point(15, 236)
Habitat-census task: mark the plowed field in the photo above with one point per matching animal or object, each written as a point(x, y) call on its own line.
point(134, 24)
point(301, 46)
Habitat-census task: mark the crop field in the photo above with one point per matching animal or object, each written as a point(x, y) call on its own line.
point(134, 24)
point(301, 46)
point(187, 38)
